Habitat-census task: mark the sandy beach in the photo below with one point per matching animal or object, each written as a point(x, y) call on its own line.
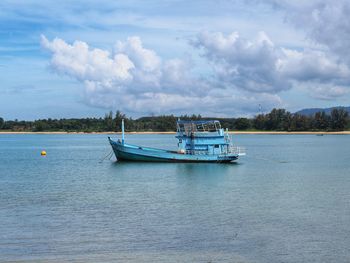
point(292, 133)
point(231, 132)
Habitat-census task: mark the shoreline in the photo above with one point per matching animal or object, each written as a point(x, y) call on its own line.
point(230, 132)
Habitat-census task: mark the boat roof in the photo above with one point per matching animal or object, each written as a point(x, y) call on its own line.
point(189, 126)
point(197, 122)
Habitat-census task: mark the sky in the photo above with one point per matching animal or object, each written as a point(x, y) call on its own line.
point(223, 58)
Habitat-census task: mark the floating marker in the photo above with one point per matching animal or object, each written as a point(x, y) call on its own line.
point(43, 153)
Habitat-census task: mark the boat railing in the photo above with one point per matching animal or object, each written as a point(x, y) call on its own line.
point(228, 138)
point(240, 151)
point(197, 152)
point(237, 150)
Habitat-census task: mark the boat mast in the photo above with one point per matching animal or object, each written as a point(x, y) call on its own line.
point(122, 131)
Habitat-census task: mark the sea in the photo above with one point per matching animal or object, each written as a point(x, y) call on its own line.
point(287, 200)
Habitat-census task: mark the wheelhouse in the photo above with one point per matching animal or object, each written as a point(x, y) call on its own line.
point(201, 137)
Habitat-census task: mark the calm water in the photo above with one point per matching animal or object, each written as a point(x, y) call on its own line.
point(288, 200)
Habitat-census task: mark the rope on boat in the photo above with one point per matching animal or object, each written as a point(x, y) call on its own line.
point(109, 156)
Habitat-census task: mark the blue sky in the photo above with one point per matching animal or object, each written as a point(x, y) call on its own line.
point(215, 58)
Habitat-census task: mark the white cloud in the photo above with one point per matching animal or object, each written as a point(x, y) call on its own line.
point(147, 63)
point(247, 73)
point(82, 63)
point(249, 65)
point(136, 80)
point(313, 65)
point(325, 22)
point(328, 24)
point(327, 92)
point(261, 66)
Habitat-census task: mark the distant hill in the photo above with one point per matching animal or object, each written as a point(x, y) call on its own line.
point(312, 111)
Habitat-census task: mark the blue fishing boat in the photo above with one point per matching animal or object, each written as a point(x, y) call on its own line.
point(198, 141)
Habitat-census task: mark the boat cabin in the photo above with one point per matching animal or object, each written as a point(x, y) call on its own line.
point(202, 137)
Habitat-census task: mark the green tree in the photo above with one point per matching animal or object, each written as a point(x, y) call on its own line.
point(300, 123)
point(118, 120)
point(109, 122)
point(259, 122)
point(277, 120)
point(321, 121)
point(2, 122)
point(242, 124)
point(339, 119)
point(40, 125)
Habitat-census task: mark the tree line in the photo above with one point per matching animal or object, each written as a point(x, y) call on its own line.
point(276, 120)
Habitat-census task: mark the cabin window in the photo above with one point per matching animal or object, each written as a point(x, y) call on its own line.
point(216, 146)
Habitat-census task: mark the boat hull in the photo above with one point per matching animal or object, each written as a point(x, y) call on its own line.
point(128, 152)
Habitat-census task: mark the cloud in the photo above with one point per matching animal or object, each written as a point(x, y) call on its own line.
point(136, 80)
point(147, 63)
point(249, 65)
point(260, 66)
point(313, 65)
point(85, 64)
point(326, 23)
point(327, 92)
point(246, 73)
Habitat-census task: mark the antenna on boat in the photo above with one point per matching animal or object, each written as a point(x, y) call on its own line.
point(122, 131)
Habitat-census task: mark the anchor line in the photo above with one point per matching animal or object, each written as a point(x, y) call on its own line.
point(109, 156)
